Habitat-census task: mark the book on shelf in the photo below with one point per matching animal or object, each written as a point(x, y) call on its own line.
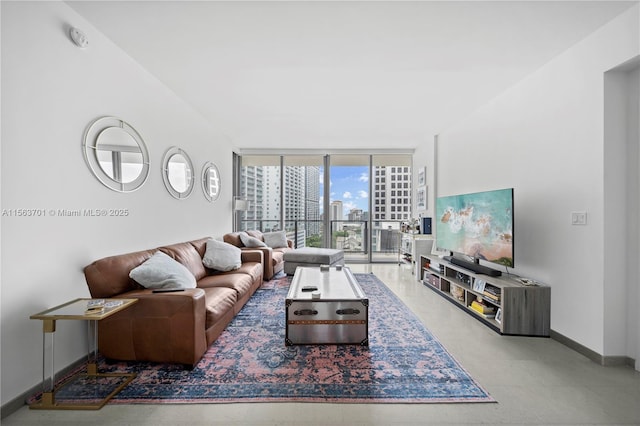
point(492, 298)
point(431, 279)
point(492, 293)
point(492, 290)
point(495, 303)
point(482, 308)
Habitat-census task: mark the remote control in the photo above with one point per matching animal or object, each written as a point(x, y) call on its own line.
point(167, 290)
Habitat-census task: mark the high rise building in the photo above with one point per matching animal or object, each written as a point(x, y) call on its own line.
point(391, 203)
point(336, 210)
point(252, 189)
point(300, 195)
point(312, 199)
point(392, 193)
point(355, 215)
point(271, 199)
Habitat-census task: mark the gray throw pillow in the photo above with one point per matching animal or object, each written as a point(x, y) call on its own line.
point(275, 239)
point(161, 271)
point(222, 256)
point(250, 241)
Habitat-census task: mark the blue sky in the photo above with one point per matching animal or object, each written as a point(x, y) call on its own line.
point(350, 184)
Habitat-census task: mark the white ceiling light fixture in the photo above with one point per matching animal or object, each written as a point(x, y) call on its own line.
point(78, 37)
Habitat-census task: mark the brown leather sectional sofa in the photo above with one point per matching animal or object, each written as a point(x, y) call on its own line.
point(273, 257)
point(175, 327)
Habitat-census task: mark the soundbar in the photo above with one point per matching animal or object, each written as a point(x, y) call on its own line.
point(473, 266)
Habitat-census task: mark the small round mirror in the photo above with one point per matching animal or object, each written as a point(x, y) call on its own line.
point(119, 155)
point(116, 154)
point(210, 181)
point(177, 173)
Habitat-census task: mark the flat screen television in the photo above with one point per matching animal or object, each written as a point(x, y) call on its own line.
point(477, 225)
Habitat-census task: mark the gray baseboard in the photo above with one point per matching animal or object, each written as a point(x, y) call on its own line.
point(607, 361)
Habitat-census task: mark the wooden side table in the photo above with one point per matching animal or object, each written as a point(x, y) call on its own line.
point(76, 310)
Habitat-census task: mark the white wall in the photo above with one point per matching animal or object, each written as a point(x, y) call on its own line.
point(621, 206)
point(424, 156)
point(544, 137)
point(51, 90)
point(633, 244)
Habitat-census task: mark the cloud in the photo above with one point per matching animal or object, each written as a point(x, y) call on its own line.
point(348, 206)
point(364, 177)
point(347, 195)
point(362, 194)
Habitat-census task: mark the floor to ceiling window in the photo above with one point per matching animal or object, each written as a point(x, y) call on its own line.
point(354, 202)
point(259, 184)
point(303, 191)
point(391, 203)
point(349, 205)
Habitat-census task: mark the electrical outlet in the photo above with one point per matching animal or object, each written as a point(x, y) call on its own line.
point(578, 218)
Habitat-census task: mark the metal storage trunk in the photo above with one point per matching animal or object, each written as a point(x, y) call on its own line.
point(325, 305)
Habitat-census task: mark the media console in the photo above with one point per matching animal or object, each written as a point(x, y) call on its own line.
point(473, 266)
point(503, 303)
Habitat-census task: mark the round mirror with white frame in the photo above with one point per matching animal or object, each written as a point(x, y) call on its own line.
point(177, 173)
point(210, 181)
point(116, 154)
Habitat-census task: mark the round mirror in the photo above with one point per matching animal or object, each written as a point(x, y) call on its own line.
point(210, 181)
point(177, 173)
point(116, 154)
point(119, 155)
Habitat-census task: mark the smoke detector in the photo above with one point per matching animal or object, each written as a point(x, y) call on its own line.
point(79, 38)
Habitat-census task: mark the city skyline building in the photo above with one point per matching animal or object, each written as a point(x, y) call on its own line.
point(337, 212)
point(312, 199)
point(392, 193)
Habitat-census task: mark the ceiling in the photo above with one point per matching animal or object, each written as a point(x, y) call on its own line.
point(342, 75)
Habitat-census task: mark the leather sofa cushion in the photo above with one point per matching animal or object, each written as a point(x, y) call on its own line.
point(251, 265)
point(219, 301)
point(253, 269)
point(200, 245)
point(186, 254)
point(277, 256)
point(233, 238)
point(109, 276)
point(241, 283)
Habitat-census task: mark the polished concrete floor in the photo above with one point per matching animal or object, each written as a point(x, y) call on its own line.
point(536, 381)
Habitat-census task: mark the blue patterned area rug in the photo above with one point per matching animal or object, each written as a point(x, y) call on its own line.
point(404, 363)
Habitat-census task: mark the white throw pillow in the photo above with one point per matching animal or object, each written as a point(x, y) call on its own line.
point(161, 271)
point(275, 239)
point(250, 241)
point(222, 256)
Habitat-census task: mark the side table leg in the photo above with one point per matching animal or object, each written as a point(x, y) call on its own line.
point(48, 387)
point(92, 353)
